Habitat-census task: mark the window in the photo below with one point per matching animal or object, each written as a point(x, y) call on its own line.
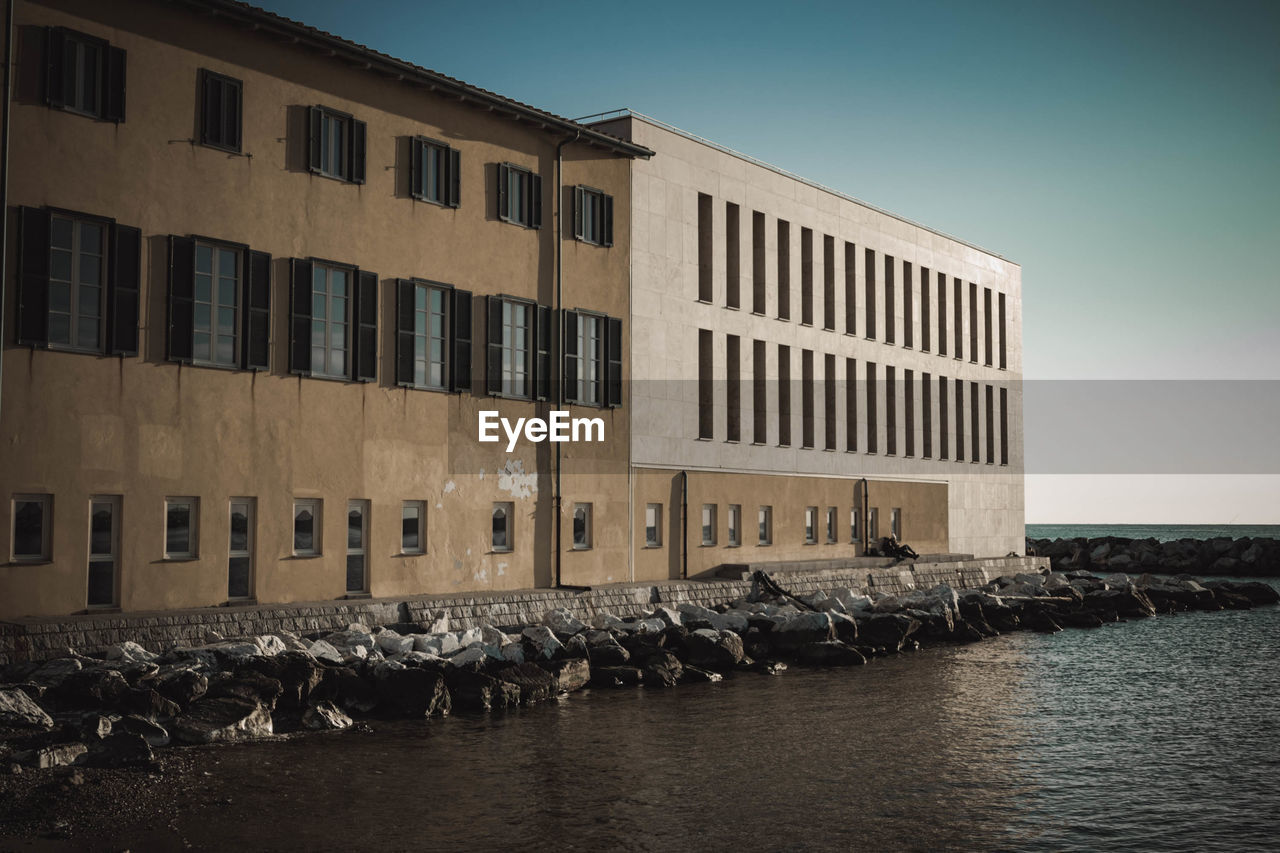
point(991, 426)
point(593, 359)
point(850, 405)
point(958, 314)
point(908, 306)
point(337, 145)
point(334, 321)
point(84, 75)
point(832, 526)
point(784, 269)
point(811, 525)
point(872, 430)
point(758, 259)
point(806, 399)
point(926, 409)
point(828, 282)
point(77, 282)
point(890, 410)
point(32, 524)
point(732, 256)
point(430, 336)
point(925, 321)
point(220, 109)
point(943, 420)
point(706, 386)
point(784, 395)
point(869, 286)
point(357, 546)
point(759, 394)
point(850, 289)
point(909, 409)
point(806, 277)
point(592, 216)
point(433, 349)
point(240, 549)
point(306, 527)
point(853, 524)
point(413, 527)
point(519, 196)
point(1003, 353)
point(733, 389)
point(104, 550)
point(890, 324)
point(942, 313)
point(1004, 426)
point(973, 322)
point(873, 524)
point(895, 522)
point(181, 523)
point(973, 422)
point(765, 518)
point(581, 526)
point(706, 287)
point(503, 526)
point(735, 525)
point(708, 524)
point(986, 326)
point(959, 386)
point(434, 172)
point(519, 362)
point(653, 525)
point(219, 304)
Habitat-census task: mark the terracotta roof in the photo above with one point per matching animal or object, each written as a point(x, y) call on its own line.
point(375, 61)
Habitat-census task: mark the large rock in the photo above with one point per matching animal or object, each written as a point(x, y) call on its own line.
point(90, 688)
point(129, 652)
point(324, 716)
point(540, 643)
point(889, 630)
point(604, 650)
point(715, 650)
point(323, 650)
point(121, 749)
point(474, 691)
point(182, 686)
point(1129, 601)
point(149, 730)
point(298, 673)
point(801, 629)
point(570, 675)
point(58, 755)
point(616, 676)
point(52, 673)
point(1256, 592)
point(248, 685)
point(19, 712)
point(661, 669)
point(392, 643)
point(149, 703)
point(535, 683)
point(347, 689)
point(828, 653)
point(223, 720)
point(562, 622)
point(412, 692)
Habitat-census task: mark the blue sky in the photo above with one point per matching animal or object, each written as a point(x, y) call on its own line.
point(1127, 154)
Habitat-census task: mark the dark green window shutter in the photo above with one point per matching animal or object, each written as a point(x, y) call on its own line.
point(504, 177)
point(122, 290)
point(256, 353)
point(417, 168)
point(182, 282)
point(455, 177)
point(231, 93)
point(55, 82)
point(300, 316)
point(404, 331)
point(210, 108)
point(608, 221)
point(315, 126)
point(613, 351)
point(578, 231)
point(493, 362)
point(113, 100)
point(357, 152)
point(460, 365)
point(33, 278)
point(571, 356)
point(542, 352)
point(365, 368)
point(535, 201)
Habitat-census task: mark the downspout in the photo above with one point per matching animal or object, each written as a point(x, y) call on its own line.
point(4, 185)
point(684, 525)
point(558, 382)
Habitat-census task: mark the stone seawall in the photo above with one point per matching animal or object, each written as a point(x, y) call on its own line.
point(42, 639)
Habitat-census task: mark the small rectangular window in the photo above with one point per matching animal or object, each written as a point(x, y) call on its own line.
point(873, 431)
point(519, 196)
point(890, 322)
point(306, 526)
point(895, 523)
point(944, 423)
point(181, 523)
point(434, 172)
point(413, 527)
point(653, 525)
point(942, 313)
point(958, 315)
point(828, 282)
point(32, 528)
point(240, 549)
point(1003, 354)
point(959, 386)
point(104, 550)
point(84, 74)
point(833, 525)
point(869, 288)
point(991, 426)
point(850, 289)
point(708, 524)
point(926, 411)
point(357, 546)
point(337, 142)
point(829, 400)
point(853, 524)
point(986, 326)
point(973, 322)
point(503, 526)
point(581, 526)
point(974, 420)
point(735, 525)
point(220, 110)
point(1004, 426)
point(593, 216)
point(908, 306)
point(850, 405)
point(890, 410)
point(811, 525)
point(873, 524)
point(765, 518)
point(925, 320)
point(909, 410)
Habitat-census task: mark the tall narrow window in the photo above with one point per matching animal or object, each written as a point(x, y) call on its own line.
point(806, 277)
point(942, 313)
point(758, 256)
point(959, 385)
point(84, 74)
point(853, 524)
point(811, 525)
point(973, 322)
point(829, 400)
point(706, 242)
point(850, 405)
point(433, 336)
point(908, 306)
point(1004, 426)
point(653, 525)
point(430, 336)
point(806, 398)
point(337, 145)
point(958, 291)
point(357, 546)
point(706, 386)
point(593, 216)
point(873, 524)
point(890, 410)
point(784, 270)
point(869, 286)
point(735, 525)
point(708, 524)
point(503, 526)
point(833, 526)
point(987, 353)
point(434, 173)
point(732, 256)
point(890, 322)
point(733, 393)
point(215, 328)
point(519, 196)
point(784, 396)
point(850, 289)
point(872, 429)
point(240, 549)
point(909, 410)
point(104, 550)
point(32, 528)
point(413, 527)
point(590, 333)
point(895, 522)
point(181, 520)
point(925, 330)
point(517, 349)
point(1002, 327)
point(991, 425)
point(306, 527)
point(828, 282)
point(759, 395)
point(582, 526)
point(974, 420)
point(330, 320)
point(944, 425)
point(765, 519)
point(926, 411)
point(220, 110)
point(77, 282)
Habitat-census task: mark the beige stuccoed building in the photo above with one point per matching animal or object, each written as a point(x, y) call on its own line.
point(795, 351)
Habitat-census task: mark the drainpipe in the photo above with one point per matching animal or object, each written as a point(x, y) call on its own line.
point(4, 183)
point(558, 382)
point(866, 516)
point(684, 524)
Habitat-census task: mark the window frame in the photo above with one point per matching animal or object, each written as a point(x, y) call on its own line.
point(421, 547)
point(110, 68)
point(362, 550)
point(527, 213)
point(764, 525)
point(710, 522)
point(588, 539)
point(596, 229)
point(446, 338)
point(873, 524)
point(46, 527)
point(734, 532)
point(115, 502)
point(105, 261)
point(352, 135)
point(833, 525)
point(449, 180)
point(226, 82)
point(246, 553)
point(241, 251)
point(854, 519)
point(192, 551)
point(599, 359)
point(508, 508)
point(895, 522)
point(353, 274)
point(654, 541)
point(317, 527)
point(811, 525)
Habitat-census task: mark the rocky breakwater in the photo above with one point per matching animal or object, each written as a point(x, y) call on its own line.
point(116, 710)
point(1243, 557)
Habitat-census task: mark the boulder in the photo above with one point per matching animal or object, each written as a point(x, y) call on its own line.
point(90, 688)
point(58, 755)
point(19, 712)
point(1041, 622)
point(1256, 592)
point(846, 626)
point(297, 672)
point(149, 703)
point(182, 686)
point(121, 749)
point(324, 716)
point(828, 653)
point(666, 614)
point(616, 676)
point(562, 622)
point(1129, 601)
point(575, 647)
point(540, 643)
point(715, 650)
point(412, 692)
point(153, 733)
point(1078, 619)
point(324, 650)
point(223, 720)
point(661, 669)
point(570, 675)
point(392, 643)
point(474, 691)
point(534, 682)
point(248, 685)
point(889, 630)
point(345, 688)
point(51, 673)
point(802, 629)
point(604, 650)
point(129, 652)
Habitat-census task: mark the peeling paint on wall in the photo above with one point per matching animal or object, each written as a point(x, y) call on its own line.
point(502, 569)
point(513, 480)
point(450, 486)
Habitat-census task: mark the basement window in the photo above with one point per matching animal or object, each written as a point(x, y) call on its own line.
point(306, 527)
point(32, 521)
point(582, 526)
point(503, 536)
point(181, 519)
point(653, 525)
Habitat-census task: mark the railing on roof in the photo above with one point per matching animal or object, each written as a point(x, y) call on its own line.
point(627, 112)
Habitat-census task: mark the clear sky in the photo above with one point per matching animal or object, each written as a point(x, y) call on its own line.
point(1126, 154)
